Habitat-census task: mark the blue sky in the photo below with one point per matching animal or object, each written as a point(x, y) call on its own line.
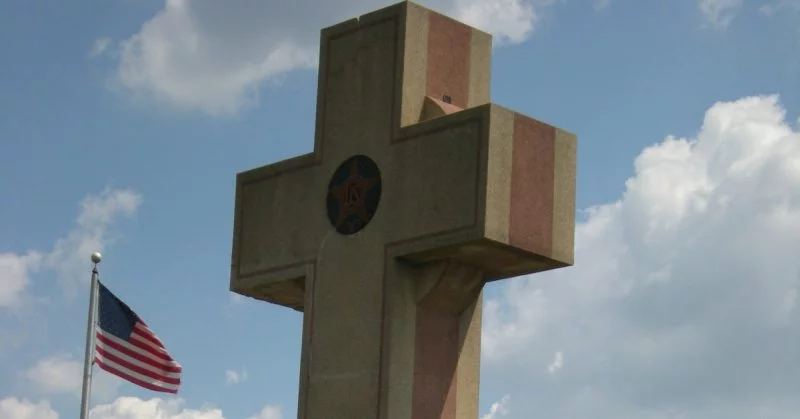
point(123, 124)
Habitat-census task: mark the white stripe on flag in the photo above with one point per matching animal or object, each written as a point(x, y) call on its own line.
point(156, 359)
point(141, 334)
point(111, 364)
point(155, 369)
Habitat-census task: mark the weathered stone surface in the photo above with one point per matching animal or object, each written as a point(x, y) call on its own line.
point(469, 192)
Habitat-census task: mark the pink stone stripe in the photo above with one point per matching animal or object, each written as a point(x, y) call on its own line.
point(532, 177)
point(435, 361)
point(449, 45)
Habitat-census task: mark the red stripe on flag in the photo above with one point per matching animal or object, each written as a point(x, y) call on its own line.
point(142, 330)
point(134, 380)
point(135, 368)
point(145, 346)
point(167, 365)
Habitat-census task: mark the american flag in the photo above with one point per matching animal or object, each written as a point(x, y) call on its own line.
point(127, 348)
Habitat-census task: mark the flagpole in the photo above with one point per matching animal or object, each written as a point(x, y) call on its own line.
point(88, 360)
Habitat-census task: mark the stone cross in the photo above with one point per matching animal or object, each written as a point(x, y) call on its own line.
point(417, 193)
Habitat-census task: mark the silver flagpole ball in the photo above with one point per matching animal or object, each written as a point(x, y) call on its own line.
point(97, 257)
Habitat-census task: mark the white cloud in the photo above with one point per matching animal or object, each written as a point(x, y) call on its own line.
point(683, 298)
point(213, 57)
point(235, 377)
point(13, 408)
point(269, 412)
point(70, 254)
point(14, 276)
point(511, 21)
point(135, 408)
point(99, 46)
point(61, 374)
point(557, 364)
point(56, 374)
point(69, 257)
point(719, 13)
point(499, 409)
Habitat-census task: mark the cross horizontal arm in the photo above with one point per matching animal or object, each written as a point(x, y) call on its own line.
point(277, 225)
point(490, 187)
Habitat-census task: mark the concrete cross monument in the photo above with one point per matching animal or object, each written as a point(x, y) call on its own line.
point(417, 193)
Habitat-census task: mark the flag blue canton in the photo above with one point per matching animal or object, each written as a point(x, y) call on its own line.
point(114, 316)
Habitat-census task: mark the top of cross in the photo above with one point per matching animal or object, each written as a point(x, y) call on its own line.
point(410, 155)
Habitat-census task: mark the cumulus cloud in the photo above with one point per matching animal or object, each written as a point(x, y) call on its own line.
point(269, 412)
point(499, 409)
point(135, 408)
point(69, 256)
point(213, 57)
point(61, 374)
point(510, 21)
point(13, 408)
point(719, 13)
point(235, 377)
point(56, 374)
point(14, 276)
point(126, 408)
point(683, 301)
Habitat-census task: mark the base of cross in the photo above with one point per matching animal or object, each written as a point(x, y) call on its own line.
point(419, 191)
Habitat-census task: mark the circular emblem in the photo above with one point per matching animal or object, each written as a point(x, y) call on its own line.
point(353, 194)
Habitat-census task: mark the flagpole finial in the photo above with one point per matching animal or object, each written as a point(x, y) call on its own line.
point(97, 257)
